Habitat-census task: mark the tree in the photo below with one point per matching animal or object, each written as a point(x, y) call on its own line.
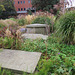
point(1, 9)
point(44, 5)
point(9, 8)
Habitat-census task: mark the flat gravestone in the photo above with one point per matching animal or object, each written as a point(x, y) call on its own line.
point(19, 60)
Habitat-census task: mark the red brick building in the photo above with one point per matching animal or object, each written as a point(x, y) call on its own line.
point(22, 6)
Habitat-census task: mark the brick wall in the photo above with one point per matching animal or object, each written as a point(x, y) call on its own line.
point(22, 5)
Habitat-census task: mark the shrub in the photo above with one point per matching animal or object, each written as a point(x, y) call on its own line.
point(2, 29)
point(4, 24)
point(12, 19)
point(22, 22)
point(8, 22)
point(42, 20)
point(10, 43)
point(66, 27)
point(30, 18)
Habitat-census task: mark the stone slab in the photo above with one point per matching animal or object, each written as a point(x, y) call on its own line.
point(34, 36)
point(36, 25)
point(38, 29)
point(19, 60)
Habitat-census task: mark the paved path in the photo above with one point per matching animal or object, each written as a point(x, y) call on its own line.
point(19, 60)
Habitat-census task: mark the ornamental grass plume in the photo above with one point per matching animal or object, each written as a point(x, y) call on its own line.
point(8, 33)
point(18, 33)
point(7, 22)
point(30, 18)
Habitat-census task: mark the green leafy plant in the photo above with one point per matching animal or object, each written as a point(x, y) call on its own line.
point(22, 22)
point(66, 27)
point(42, 20)
point(5, 72)
point(7, 42)
point(12, 19)
point(2, 29)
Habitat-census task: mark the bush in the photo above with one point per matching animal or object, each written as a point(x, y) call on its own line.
point(66, 27)
point(22, 22)
point(30, 18)
point(42, 20)
point(7, 24)
point(2, 29)
point(12, 19)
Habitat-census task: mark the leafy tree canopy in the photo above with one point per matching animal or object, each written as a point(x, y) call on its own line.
point(44, 4)
point(7, 7)
point(1, 9)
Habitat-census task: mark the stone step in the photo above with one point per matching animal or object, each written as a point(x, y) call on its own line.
point(34, 36)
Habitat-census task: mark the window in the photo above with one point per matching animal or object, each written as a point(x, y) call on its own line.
point(24, 9)
point(21, 9)
point(18, 9)
point(23, 1)
point(18, 2)
point(28, 1)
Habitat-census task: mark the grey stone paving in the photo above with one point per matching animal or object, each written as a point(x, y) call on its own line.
point(19, 60)
point(34, 36)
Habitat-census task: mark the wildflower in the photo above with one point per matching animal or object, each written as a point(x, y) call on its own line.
point(58, 53)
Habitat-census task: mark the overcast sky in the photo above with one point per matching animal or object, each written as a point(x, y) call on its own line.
point(73, 3)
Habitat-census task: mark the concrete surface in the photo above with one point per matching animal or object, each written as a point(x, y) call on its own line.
point(34, 36)
point(19, 60)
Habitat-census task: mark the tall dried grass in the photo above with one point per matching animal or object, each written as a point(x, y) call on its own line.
point(7, 22)
point(21, 16)
point(10, 22)
point(30, 18)
point(8, 33)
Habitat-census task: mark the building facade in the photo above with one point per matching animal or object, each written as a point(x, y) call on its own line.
point(22, 6)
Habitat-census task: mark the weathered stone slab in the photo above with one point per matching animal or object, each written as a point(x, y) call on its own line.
point(38, 29)
point(36, 25)
point(19, 60)
point(34, 36)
